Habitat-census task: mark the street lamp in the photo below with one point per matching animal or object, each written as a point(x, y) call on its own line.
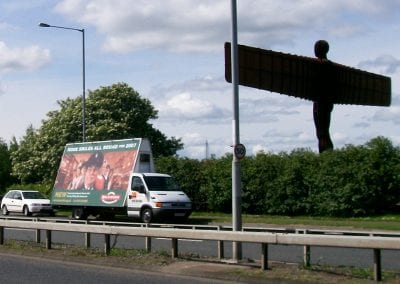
point(44, 25)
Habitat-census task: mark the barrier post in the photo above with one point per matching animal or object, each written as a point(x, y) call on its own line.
point(221, 252)
point(377, 265)
point(107, 244)
point(264, 256)
point(148, 244)
point(48, 239)
point(307, 256)
point(306, 252)
point(87, 240)
point(174, 250)
point(38, 236)
point(1, 235)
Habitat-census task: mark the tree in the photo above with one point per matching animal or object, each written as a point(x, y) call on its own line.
point(113, 112)
point(5, 165)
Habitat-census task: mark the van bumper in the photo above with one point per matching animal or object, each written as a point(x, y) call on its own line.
point(171, 213)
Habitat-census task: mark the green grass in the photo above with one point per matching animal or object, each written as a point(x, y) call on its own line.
point(382, 222)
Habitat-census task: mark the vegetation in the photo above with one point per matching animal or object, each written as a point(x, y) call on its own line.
point(353, 181)
point(5, 165)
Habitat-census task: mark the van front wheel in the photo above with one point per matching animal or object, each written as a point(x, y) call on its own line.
point(146, 215)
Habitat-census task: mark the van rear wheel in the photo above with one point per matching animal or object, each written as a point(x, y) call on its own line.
point(78, 213)
point(146, 215)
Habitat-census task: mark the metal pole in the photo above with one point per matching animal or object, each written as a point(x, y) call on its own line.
point(83, 88)
point(236, 194)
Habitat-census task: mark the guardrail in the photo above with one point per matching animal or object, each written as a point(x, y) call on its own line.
point(264, 236)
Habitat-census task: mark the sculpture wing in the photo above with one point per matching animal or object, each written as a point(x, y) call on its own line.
point(308, 78)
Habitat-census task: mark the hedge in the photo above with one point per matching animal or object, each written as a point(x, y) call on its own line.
point(351, 181)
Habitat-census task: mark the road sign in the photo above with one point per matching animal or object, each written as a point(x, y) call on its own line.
point(240, 151)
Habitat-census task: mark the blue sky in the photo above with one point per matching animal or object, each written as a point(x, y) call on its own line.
point(171, 52)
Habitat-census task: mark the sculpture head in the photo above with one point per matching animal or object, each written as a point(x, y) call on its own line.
point(321, 48)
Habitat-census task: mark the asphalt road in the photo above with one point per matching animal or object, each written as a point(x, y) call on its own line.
point(26, 269)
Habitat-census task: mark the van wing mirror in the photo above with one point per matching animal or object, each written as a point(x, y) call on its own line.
point(139, 188)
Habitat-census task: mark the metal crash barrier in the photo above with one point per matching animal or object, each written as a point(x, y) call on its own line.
point(263, 236)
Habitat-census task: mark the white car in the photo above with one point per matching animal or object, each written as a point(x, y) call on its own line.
point(26, 202)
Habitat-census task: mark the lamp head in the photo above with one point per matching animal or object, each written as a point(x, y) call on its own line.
point(44, 25)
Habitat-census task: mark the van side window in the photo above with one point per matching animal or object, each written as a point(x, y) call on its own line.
point(137, 185)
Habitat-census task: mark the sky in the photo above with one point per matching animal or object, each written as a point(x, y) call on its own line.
point(172, 52)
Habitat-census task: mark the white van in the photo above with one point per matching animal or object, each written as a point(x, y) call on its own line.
point(113, 177)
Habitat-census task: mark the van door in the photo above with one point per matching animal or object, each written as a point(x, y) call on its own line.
point(137, 196)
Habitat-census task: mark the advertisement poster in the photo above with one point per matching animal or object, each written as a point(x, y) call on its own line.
point(95, 173)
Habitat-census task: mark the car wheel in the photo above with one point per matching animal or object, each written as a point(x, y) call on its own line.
point(26, 211)
point(78, 213)
point(4, 210)
point(146, 215)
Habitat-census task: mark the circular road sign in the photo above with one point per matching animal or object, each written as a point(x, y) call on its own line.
point(240, 151)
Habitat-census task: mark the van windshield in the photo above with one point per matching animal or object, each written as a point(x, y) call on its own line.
point(161, 183)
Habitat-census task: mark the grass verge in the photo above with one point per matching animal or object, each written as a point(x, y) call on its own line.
point(380, 222)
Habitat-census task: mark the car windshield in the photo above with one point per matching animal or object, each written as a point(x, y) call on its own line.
point(33, 195)
point(161, 183)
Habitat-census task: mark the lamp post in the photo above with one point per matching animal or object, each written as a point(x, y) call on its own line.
point(44, 25)
point(236, 179)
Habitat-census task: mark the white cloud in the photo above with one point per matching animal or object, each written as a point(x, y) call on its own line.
point(4, 26)
point(175, 25)
point(362, 124)
point(22, 59)
point(201, 26)
point(386, 64)
point(2, 89)
point(184, 107)
point(201, 101)
point(388, 115)
point(285, 139)
point(258, 148)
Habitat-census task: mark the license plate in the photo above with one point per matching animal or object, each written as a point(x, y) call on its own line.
point(179, 214)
